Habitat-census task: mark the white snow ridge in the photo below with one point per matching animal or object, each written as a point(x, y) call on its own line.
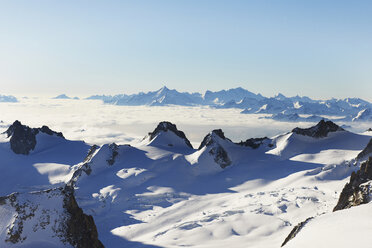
point(163, 192)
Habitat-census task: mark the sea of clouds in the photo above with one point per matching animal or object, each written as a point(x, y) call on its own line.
point(99, 123)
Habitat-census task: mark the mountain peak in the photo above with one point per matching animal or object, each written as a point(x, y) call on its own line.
point(320, 130)
point(166, 126)
point(163, 89)
point(23, 138)
point(216, 150)
point(211, 138)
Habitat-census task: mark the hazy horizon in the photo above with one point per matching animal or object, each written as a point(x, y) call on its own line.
point(82, 96)
point(313, 48)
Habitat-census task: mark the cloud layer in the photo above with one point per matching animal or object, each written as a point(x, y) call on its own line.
point(98, 123)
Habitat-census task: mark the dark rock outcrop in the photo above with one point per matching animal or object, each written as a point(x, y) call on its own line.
point(114, 153)
point(54, 209)
point(166, 126)
point(81, 231)
point(369, 130)
point(296, 230)
point(366, 151)
point(216, 150)
point(354, 193)
point(23, 138)
point(254, 142)
point(320, 130)
point(85, 167)
point(91, 152)
point(208, 140)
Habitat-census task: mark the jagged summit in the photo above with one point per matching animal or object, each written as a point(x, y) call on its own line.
point(210, 138)
point(356, 192)
point(23, 138)
point(166, 126)
point(213, 142)
point(320, 130)
point(256, 142)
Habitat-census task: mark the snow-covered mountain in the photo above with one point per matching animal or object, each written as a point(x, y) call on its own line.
point(64, 96)
point(246, 100)
point(293, 118)
point(364, 115)
point(161, 97)
point(4, 98)
point(162, 192)
point(36, 158)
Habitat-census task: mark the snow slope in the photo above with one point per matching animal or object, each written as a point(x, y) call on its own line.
point(161, 192)
point(345, 228)
point(169, 197)
point(48, 164)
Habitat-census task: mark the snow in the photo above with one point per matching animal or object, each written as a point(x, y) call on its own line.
point(162, 193)
point(160, 197)
point(345, 228)
point(47, 165)
point(39, 222)
point(57, 173)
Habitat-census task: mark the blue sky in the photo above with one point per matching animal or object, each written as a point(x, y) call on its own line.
point(321, 49)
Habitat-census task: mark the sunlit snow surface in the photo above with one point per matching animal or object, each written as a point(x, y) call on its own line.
point(156, 195)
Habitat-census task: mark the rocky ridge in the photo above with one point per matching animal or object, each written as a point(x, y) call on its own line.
point(219, 154)
point(51, 214)
point(166, 126)
point(23, 138)
point(358, 190)
point(321, 130)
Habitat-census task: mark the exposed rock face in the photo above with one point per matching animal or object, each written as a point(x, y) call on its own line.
point(23, 138)
point(53, 216)
point(216, 150)
point(254, 142)
point(357, 191)
point(166, 126)
point(85, 167)
point(296, 230)
point(114, 149)
point(208, 140)
point(320, 130)
point(369, 130)
point(81, 232)
point(366, 151)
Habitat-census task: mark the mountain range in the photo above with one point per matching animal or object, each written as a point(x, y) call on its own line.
point(163, 192)
point(349, 108)
point(4, 98)
point(280, 107)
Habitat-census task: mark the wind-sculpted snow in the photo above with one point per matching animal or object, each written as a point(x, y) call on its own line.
point(336, 229)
